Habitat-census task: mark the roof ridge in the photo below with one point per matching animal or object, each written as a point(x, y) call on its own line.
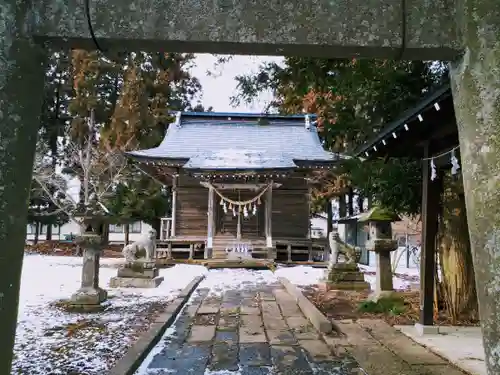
point(249, 122)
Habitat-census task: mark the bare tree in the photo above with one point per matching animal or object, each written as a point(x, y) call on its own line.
point(98, 167)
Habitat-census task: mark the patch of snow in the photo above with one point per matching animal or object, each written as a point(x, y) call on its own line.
point(220, 280)
point(301, 275)
point(51, 341)
point(240, 159)
point(402, 279)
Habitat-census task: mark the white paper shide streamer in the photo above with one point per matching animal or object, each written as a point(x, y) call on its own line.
point(433, 170)
point(454, 163)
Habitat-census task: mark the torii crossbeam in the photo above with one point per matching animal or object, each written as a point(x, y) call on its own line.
point(466, 32)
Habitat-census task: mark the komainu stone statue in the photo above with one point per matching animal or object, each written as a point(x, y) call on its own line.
point(338, 247)
point(344, 275)
point(140, 269)
point(142, 250)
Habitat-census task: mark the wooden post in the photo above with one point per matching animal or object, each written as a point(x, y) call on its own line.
point(211, 223)
point(238, 225)
point(289, 252)
point(269, 217)
point(174, 205)
point(169, 250)
point(310, 252)
point(191, 251)
point(431, 191)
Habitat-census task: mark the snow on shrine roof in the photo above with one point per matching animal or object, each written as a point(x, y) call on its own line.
point(239, 159)
point(239, 141)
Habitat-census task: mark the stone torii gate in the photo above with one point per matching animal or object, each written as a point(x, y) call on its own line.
point(465, 32)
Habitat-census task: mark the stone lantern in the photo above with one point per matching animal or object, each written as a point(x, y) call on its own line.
point(90, 296)
point(379, 222)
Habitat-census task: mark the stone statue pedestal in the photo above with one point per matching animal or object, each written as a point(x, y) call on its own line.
point(345, 276)
point(90, 296)
point(138, 274)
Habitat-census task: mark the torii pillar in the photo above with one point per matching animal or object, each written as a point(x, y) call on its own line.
point(339, 29)
point(476, 94)
point(22, 72)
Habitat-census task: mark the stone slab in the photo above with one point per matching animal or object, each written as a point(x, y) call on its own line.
point(249, 310)
point(230, 322)
point(147, 273)
point(88, 297)
point(271, 308)
point(290, 360)
point(281, 337)
point(396, 341)
point(274, 322)
point(462, 346)
point(318, 320)
point(426, 330)
point(178, 358)
point(255, 354)
point(265, 296)
point(302, 328)
point(251, 329)
point(371, 355)
point(208, 309)
point(317, 350)
point(131, 282)
point(134, 356)
point(337, 276)
point(201, 333)
point(346, 285)
point(224, 357)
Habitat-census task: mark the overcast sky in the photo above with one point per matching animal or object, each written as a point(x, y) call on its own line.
point(218, 89)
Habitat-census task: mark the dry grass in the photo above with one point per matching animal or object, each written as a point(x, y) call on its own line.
point(338, 305)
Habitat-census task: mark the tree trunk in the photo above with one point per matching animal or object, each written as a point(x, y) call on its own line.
point(329, 218)
point(48, 235)
point(370, 202)
point(455, 256)
point(126, 229)
point(350, 203)
point(361, 201)
point(37, 232)
point(342, 207)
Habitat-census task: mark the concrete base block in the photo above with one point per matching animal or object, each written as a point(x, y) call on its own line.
point(345, 276)
point(346, 285)
point(138, 273)
point(87, 300)
point(135, 282)
point(426, 330)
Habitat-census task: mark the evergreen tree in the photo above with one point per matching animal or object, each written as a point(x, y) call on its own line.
point(353, 99)
point(154, 85)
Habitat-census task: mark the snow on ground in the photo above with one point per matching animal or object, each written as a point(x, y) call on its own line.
point(306, 275)
point(51, 341)
point(301, 275)
point(402, 279)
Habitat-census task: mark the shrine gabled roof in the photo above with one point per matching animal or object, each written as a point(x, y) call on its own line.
point(239, 141)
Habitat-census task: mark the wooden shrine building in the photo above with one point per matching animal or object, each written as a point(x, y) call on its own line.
point(239, 183)
point(427, 132)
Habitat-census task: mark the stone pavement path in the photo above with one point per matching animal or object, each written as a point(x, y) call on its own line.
point(254, 330)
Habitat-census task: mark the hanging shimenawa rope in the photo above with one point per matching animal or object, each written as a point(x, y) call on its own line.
point(238, 202)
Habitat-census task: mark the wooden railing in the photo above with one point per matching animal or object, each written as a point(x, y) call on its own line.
point(165, 228)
